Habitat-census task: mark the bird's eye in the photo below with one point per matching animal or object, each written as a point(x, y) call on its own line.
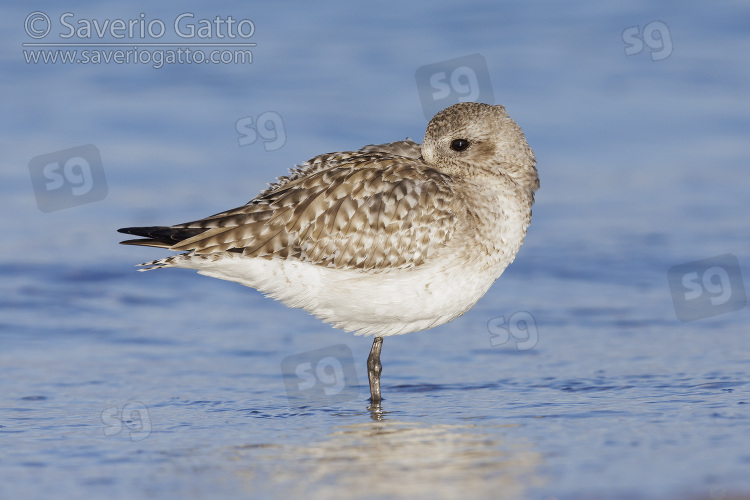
point(459, 144)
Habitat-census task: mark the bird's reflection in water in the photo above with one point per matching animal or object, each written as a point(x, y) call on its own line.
point(376, 412)
point(389, 458)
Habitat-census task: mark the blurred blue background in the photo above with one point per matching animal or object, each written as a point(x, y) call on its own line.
point(639, 116)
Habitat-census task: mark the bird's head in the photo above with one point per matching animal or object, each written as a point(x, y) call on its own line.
point(474, 140)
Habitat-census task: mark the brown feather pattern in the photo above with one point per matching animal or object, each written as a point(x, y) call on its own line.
point(368, 210)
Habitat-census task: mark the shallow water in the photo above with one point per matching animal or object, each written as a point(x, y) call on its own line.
point(573, 378)
point(167, 383)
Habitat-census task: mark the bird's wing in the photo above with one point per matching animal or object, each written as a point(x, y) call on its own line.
point(370, 212)
point(406, 149)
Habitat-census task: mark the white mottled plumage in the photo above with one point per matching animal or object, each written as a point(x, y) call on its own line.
point(390, 239)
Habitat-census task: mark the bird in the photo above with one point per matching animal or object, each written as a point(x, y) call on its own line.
point(386, 240)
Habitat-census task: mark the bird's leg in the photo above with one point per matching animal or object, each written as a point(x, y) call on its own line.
point(373, 370)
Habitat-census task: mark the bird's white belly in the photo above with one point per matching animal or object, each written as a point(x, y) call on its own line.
point(385, 303)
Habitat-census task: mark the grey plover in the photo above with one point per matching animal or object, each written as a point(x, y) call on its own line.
point(390, 239)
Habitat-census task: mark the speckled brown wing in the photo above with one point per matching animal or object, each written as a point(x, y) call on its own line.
point(405, 149)
point(369, 212)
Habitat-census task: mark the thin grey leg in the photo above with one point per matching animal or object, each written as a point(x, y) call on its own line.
point(373, 370)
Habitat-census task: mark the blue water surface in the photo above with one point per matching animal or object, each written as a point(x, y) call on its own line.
point(573, 378)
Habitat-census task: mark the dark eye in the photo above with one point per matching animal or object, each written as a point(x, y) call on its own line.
point(459, 144)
